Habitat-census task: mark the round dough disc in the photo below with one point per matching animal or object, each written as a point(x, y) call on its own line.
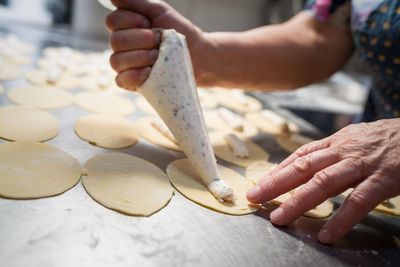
point(25, 124)
point(9, 73)
point(292, 142)
point(215, 122)
point(39, 77)
point(223, 151)
point(266, 126)
point(151, 134)
point(35, 170)
point(144, 106)
point(258, 169)
point(105, 103)
point(91, 83)
point(107, 131)
point(43, 98)
point(186, 181)
point(126, 184)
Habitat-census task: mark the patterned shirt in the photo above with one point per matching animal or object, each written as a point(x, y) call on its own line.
point(375, 25)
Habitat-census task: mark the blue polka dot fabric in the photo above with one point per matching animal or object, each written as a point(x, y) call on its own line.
point(376, 33)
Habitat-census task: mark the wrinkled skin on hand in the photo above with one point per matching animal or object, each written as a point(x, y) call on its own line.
point(135, 41)
point(365, 156)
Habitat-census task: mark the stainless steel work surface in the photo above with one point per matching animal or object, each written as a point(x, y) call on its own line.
point(73, 230)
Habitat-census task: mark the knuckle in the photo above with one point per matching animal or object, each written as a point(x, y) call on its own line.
point(302, 164)
point(267, 182)
point(293, 202)
point(356, 200)
point(302, 151)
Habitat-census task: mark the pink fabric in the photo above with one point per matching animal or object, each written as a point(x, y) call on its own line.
point(321, 9)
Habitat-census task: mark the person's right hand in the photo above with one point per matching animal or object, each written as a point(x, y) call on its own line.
point(135, 43)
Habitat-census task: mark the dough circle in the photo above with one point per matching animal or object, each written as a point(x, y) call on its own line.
point(126, 184)
point(105, 103)
point(184, 178)
point(34, 170)
point(26, 124)
point(151, 134)
point(107, 131)
point(42, 98)
point(256, 170)
point(39, 77)
point(223, 151)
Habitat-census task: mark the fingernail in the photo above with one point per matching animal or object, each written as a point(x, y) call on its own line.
point(276, 215)
point(324, 236)
point(254, 193)
point(154, 54)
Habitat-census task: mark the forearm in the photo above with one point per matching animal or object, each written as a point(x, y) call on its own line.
point(284, 56)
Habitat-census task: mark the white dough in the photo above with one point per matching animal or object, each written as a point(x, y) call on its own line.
point(35, 170)
point(41, 78)
point(105, 103)
point(126, 184)
point(42, 98)
point(185, 179)
point(107, 131)
point(26, 124)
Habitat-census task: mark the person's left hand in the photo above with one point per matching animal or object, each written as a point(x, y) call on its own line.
point(365, 156)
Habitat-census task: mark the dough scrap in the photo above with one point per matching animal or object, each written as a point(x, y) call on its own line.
point(42, 98)
point(184, 178)
point(107, 131)
point(257, 119)
point(126, 184)
point(34, 170)
point(26, 124)
point(256, 170)
point(151, 134)
point(292, 142)
point(105, 103)
point(223, 151)
point(215, 122)
point(39, 77)
point(391, 206)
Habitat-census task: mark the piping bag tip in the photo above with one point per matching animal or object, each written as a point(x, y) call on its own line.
point(221, 191)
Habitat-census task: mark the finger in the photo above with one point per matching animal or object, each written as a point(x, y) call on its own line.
point(132, 78)
point(124, 19)
point(133, 59)
point(134, 39)
point(293, 175)
point(148, 8)
point(366, 196)
point(324, 184)
point(303, 151)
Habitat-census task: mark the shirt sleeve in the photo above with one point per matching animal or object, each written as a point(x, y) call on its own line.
point(337, 12)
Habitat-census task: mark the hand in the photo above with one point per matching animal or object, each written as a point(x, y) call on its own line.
point(135, 43)
point(365, 156)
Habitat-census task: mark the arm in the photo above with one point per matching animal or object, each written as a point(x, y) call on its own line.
point(283, 56)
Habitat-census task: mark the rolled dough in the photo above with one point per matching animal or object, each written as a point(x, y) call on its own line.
point(107, 131)
point(223, 151)
point(39, 77)
point(43, 98)
point(151, 134)
point(215, 122)
point(35, 170)
point(126, 184)
point(264, 125)
point(185, 179)
point(105, 103)
point(26, 124)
